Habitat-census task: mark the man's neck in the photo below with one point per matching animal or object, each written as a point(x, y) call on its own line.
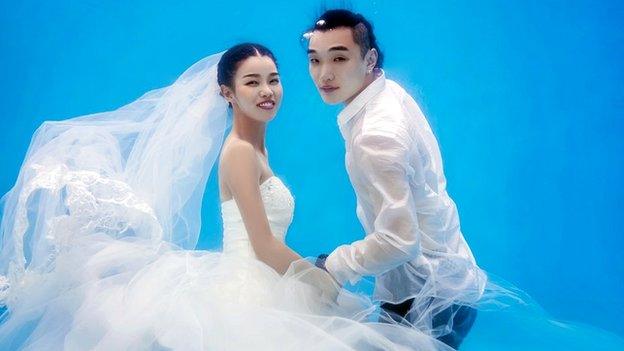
point(370, 78)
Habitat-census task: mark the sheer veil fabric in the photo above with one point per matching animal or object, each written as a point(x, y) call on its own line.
point(137, 171)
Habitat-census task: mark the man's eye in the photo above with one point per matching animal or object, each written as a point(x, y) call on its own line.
point(339, 59)
point(274, 81)
point(313, 60)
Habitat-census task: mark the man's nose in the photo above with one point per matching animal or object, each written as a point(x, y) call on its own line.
point(326, 74)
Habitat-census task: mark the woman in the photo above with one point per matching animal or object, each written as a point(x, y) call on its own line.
point(250, 83)
point(99, 230)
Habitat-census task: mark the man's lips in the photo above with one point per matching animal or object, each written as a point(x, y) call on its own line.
point(328, 89)
point(266, 105)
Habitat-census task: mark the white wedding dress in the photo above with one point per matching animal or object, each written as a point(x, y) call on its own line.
point(98, 237)
point(108, 293)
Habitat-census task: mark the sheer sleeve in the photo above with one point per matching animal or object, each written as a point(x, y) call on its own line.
point(395, 237)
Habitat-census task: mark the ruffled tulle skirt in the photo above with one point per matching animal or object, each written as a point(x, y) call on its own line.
point(111, 294)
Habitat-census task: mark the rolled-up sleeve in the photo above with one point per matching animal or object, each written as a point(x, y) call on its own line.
point(383, 162)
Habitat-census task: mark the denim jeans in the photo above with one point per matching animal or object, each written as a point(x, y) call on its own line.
point(463, 319)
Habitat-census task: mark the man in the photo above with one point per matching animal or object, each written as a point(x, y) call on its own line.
point(424, 268)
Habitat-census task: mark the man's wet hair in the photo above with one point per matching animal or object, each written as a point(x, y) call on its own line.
point(362, 30)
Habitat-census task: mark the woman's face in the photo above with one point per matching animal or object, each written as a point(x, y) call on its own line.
point(257, 89)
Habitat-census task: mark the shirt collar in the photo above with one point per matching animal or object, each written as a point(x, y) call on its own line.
point(362, 99)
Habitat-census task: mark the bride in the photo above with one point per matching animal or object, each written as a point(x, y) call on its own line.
point(98, 233)
point(249, 81)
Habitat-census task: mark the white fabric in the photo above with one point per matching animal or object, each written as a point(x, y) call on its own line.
point(413, 244)
point(95, 250)
point(128, 294)
point(279, 212)
point(96, 236)
point(138, 171)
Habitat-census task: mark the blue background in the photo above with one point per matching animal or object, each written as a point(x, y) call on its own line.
point(526, 99)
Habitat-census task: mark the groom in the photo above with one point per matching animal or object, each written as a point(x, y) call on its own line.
point(413, 245)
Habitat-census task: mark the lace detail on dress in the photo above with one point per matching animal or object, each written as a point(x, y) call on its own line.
point(279, 206)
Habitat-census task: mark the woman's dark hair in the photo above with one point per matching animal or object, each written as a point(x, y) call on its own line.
point(231, 59)
point(361, 28)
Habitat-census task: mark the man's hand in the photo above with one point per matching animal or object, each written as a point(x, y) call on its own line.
point(320, 263)
point(318, 278)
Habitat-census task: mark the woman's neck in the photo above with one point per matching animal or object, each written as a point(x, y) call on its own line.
point(250, 130)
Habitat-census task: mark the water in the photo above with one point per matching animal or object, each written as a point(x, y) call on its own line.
point(525, 98)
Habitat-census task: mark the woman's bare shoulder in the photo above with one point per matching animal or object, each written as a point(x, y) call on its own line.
point(238, 157)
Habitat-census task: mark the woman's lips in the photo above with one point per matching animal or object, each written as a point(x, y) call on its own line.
point(328, 89)
point(266, 105)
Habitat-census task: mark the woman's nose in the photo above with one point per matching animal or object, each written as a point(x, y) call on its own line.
point(266, 92)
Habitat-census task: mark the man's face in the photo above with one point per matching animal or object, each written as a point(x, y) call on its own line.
point(336, 65)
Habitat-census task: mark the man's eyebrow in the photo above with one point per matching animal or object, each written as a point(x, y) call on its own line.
point(333, 48)
point(338, 48)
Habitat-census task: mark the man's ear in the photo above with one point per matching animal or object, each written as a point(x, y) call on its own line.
point(371, 59)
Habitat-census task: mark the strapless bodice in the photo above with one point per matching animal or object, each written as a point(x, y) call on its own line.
point(279, 206)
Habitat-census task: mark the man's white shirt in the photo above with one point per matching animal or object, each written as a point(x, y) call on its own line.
point(413, 238)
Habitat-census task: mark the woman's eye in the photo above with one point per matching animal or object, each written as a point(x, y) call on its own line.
point(274, 81)
point(339, 59)
point(314, 61)
point(251, 82)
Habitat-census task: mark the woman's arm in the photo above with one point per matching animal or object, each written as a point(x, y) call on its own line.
point(241, 173)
